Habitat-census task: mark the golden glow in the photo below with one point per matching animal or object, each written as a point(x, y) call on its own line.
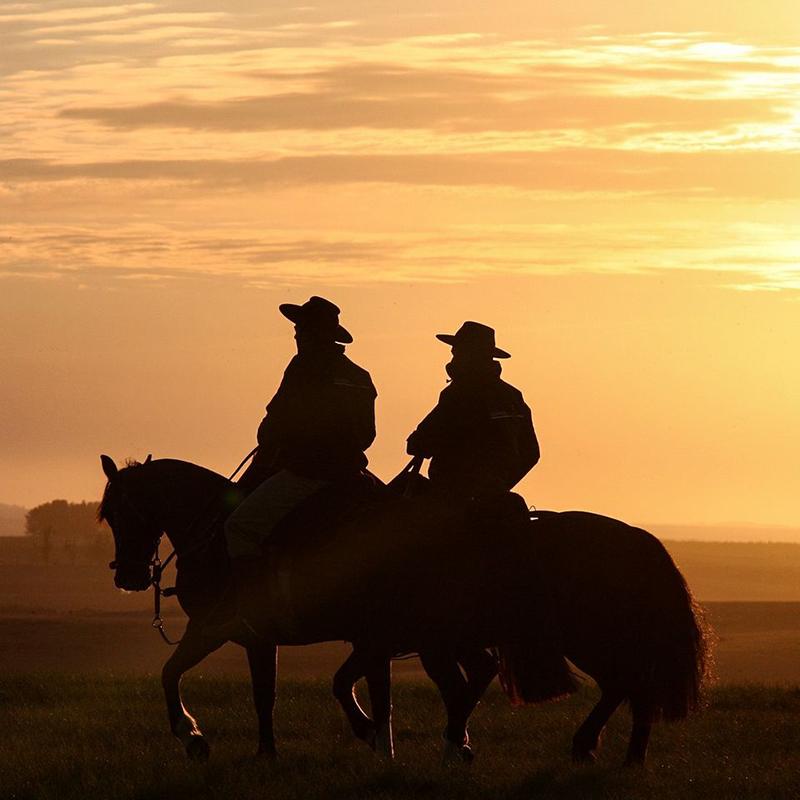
point(615, 189)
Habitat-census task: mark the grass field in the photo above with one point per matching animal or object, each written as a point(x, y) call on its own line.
point(91, 723)
point(92, 737)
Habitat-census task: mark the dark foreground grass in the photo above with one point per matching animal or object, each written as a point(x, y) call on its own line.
point(89, 737)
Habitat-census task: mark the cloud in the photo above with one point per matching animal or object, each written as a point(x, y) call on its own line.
point(75, 14)
point(759, 174)
point(742, 255)
point(177, 109)
point(130, 253)
point(393, 97)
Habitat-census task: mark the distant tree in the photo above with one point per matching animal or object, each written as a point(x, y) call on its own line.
point(71, 527)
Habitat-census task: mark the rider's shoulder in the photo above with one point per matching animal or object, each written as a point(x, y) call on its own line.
point(351, 372)
point(294, 366)
point(509, 391)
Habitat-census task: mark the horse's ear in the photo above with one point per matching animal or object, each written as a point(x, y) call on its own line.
point(109, 467)
point(149, 458)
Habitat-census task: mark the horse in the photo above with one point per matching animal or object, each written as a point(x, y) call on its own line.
point(628, 620)
point(201, 581)
point(184, 502)
point(623, 611)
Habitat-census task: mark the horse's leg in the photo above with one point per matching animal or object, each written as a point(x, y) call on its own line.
point(379, 684)
point(344, 691)
point(640, 733)
point(376, 667)
point(480, 668)
point(193, 648)
point(263, 661)
point(587, 738)
point(443, 670)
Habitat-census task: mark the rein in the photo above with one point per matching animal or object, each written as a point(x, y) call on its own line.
point(158, 568)
point(158, 593)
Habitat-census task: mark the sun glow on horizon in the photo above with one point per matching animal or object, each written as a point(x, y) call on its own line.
point(615, 187)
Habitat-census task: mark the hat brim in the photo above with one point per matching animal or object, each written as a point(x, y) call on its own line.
point(294, 312)
point(449, 338)
point(290, 311)
point(343, 336)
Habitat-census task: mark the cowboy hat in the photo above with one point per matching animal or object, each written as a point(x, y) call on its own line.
point(317, 311)
point(476, 338)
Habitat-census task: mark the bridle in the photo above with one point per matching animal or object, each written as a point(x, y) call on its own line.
point(157, 567)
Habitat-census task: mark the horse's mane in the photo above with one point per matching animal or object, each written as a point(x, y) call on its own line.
point(103, 510)
point(173, 465)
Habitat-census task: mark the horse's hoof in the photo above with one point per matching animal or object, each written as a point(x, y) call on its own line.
point(266, 753)
point(583, 756)
point(198, 749)
point(384, 745)
point(633, 763)
point(371, 739)
point(456, 754)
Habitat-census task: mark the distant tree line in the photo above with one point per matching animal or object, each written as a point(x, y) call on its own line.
point(68, 530)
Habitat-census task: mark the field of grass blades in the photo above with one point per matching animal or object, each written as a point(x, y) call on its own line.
point(107, 737)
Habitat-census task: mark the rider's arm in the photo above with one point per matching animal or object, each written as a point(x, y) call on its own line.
point(526, 445)
point(426, 441)
point(361, 397)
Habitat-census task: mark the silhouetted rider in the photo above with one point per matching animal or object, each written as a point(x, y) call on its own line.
point(480, 437)
point(315, 432)
point(481, 442)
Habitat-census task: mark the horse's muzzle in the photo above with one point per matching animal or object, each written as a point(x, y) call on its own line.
point(132, 578)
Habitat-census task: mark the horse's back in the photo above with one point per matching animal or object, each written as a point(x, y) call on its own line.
point(581, 543)
point(625, 607)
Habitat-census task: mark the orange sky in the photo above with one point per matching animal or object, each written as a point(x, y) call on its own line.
point(613, 186)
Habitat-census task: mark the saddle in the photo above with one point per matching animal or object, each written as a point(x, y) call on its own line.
point(318, 517)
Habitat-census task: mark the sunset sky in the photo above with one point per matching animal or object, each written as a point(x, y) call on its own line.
point(615, 187)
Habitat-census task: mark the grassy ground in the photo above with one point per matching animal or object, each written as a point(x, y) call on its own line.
point(101, 737)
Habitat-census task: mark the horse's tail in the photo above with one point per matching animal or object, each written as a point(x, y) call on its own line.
point(531, 674)
point(679, 648)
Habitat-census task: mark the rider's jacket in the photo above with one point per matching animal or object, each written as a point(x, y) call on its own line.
point(480, 436)
point(320, 421)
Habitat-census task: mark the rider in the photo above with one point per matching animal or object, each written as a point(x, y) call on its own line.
point(315, 432)
point(481, 442)
point(480, 436)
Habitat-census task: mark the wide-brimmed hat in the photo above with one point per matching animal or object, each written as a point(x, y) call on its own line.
point(475, 338)
point(318, 312)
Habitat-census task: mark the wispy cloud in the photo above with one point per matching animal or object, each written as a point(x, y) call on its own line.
point(389, 96)
point(30, 13)
point(768, 175)
point(168, 108)
point(737, 255)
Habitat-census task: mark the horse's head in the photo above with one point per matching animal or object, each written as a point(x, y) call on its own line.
point(136, 534)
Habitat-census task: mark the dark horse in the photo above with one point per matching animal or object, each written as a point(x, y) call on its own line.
point(622, 609)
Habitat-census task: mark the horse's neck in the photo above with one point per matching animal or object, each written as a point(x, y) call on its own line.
point(188, 500)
